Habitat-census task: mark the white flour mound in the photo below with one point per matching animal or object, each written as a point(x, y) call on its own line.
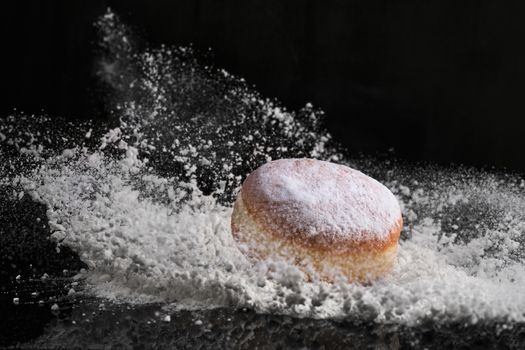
point(140, 250)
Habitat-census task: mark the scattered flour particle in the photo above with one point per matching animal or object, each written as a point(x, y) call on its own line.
point(58, 236)
point(404, 190)
point(68, 153)
point(53, 226)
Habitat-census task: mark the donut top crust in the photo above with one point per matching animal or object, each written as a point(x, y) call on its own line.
point(320, 201)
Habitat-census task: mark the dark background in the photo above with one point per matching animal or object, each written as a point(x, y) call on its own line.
point(438, 81)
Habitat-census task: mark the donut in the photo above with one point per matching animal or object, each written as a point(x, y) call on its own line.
point(328, 219)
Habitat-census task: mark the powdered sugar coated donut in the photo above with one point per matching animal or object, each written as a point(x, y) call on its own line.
point(319, 215)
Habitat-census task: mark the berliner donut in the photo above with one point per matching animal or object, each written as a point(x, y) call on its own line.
point(328, 219)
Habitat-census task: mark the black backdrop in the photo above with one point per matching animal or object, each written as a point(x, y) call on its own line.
point(438, 81)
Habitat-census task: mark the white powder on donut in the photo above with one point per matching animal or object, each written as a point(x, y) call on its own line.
point(318, 197)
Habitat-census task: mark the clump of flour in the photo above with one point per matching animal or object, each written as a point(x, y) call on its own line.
point(147, 204)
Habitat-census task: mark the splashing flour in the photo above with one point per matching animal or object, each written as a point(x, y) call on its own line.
point(147, 203)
